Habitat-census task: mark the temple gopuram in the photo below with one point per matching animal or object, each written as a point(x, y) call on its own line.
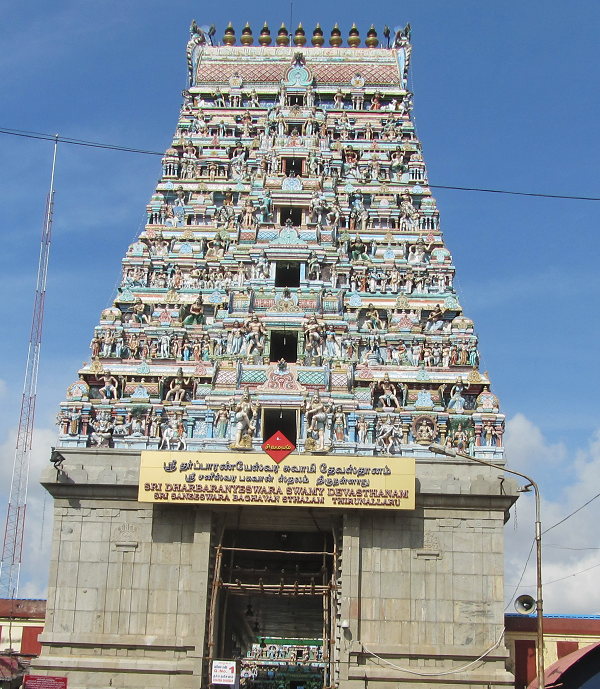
point(244, 488)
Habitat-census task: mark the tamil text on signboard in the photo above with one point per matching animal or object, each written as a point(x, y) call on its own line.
point(223, 672)
point(315, 481)
point(44, 682)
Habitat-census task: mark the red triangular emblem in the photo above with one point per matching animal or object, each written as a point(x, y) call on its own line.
point(278, 447)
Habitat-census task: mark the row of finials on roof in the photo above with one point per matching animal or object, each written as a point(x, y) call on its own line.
point(299, 37)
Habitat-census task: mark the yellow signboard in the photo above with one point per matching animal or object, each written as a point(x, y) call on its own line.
point(227, 478)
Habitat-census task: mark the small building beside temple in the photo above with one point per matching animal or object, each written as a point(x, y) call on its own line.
point(243, 471)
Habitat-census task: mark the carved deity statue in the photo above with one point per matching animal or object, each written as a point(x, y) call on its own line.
point(315, 412)
point(246, 416)
point(389, 393)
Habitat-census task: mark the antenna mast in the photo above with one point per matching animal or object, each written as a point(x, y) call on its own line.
point(10, 564)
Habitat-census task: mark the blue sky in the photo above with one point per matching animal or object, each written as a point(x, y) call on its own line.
point(506, 97)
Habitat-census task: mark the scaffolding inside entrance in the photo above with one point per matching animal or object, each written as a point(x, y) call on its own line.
point(277, 587)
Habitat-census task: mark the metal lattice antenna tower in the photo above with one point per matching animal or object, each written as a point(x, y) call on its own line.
point(10, 565)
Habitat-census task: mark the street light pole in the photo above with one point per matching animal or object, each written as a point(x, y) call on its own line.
point(450, 452)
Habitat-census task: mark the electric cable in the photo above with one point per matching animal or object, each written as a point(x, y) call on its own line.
point(522, 575)
point(566, 547)
point(437, 674)
point(570, 515)
point(74, 142)
point(94, 144)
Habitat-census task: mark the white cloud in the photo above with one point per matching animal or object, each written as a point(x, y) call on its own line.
point(569, 480)
point(526, 447)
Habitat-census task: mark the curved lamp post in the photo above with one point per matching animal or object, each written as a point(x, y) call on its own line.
point(450, 452)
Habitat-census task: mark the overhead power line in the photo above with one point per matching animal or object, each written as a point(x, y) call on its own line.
point(585, 504)
point(74, 142)
point(112, 147)
point(518, 193)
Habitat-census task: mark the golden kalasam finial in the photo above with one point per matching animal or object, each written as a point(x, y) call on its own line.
point(229, 37)
point(372, 41)
point(317, 37)
point(265, 35)
point(300, 36)
point(282, 36)
point(353, 37)
point(246, 37)
point(336, 37)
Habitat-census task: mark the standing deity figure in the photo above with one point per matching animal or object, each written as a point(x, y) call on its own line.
point(262, 268)
point(248, 215)
point(265, 207)
point(409, 215)
point(334, 276)
point(221, 422)
point(332, 347)
point(313, 338)
point(362, 429)
point(316, 208)
point(489, 433)
point(164, 341)
point(253, 102)
point(73, 416)
point(334, 216)
point(338, 100)
point(338, 424)
point(316, 421)
point(386, 434)
point(246, 416)
point(236, 340)
point(389, 393)
point(359, 215)
point(255, 332)
point(95, 345)
point(107, 344)
point(237, 164)
point(281, 124)
point(313, 267)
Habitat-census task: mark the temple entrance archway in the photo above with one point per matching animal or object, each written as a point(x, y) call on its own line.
point(273, 606)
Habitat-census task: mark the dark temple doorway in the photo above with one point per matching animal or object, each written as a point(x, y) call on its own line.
point(293, 214)
point(273, 606)
point(284, 345)
point(284, 420)
point(287, 274)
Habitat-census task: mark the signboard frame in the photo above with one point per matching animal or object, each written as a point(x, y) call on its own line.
point(224, 672)
point(229, 478)
point(44, 682)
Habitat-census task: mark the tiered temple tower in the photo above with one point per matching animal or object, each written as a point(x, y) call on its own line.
point(291, 278)
point(292, 248)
